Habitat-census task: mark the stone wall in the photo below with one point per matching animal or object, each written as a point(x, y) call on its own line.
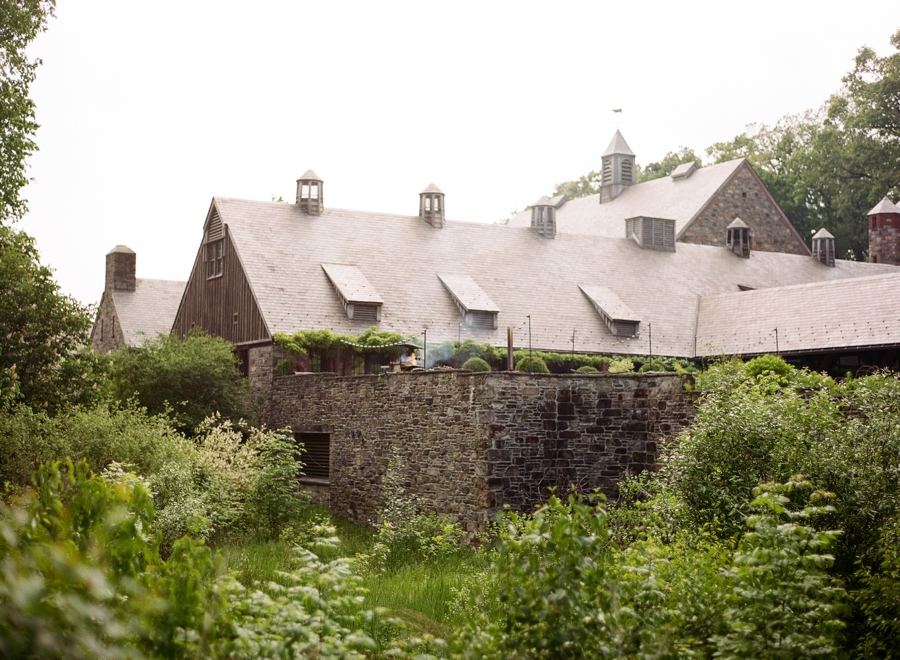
point(746, 198)
point(884, 240)
point(474, 442)
point(106, 335)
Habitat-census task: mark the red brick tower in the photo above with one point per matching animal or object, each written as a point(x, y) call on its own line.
point(884, 233)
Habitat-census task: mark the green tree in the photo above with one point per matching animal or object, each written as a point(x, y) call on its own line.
point(194, 378)
point(20, 23)
point(44, 361)
point(589, 184)
point(668, 164)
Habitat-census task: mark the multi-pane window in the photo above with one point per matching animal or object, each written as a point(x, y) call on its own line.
point(214, 257)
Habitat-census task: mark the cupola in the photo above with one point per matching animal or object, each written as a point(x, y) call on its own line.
point(431, 206)
point(738, 238)
point(884, 233)
point(543, 217)
point(618, 171)
point(310, 197)
point(823, 247)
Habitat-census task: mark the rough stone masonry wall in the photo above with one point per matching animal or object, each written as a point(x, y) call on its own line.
point(106, 336)
point(746, 198)
point(472, 443)
point(884, 242)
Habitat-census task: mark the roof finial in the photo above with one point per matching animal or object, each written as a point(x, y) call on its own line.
point(618, 113)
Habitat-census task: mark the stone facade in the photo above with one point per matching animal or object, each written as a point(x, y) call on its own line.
point(472, 443)
point(261, 369)
point(745, 197)
point(884, 238)
point(106, 335)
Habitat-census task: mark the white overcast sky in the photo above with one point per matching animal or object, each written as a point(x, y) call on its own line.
point(149, 109)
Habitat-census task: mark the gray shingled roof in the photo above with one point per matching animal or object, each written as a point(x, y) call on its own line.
point(680, 200)
point(884, 206)
point(282, 251)
point(851, 313)
point(618, 146)
point(431, 188)
point(148, 310)
point(822, 233)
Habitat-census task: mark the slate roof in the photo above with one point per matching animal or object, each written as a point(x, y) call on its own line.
point(282, 251)
point(820, 316)
point(618, 146)
point(884, 206)
point(675, 199)
point(148, 310)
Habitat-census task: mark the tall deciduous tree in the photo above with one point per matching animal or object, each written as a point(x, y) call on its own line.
point(20, 22)
point(43, 333)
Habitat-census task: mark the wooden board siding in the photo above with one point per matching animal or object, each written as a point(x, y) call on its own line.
point(211, 304)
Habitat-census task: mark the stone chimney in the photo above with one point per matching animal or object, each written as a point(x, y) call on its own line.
point(310, 193)
point(823, 247)
point(121, 265)
point(431, 206)
point(884, 233)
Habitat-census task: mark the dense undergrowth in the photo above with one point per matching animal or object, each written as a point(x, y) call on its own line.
point(148, 543)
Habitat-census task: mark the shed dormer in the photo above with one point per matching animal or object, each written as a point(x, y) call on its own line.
point(683, 171)
point(823, 247)
point(310, 196)
point(359, 298)
point(738, 238)
point(431, 206)
point(475, 306)
point(651, 233)
point(619, 170)
point(543, 217)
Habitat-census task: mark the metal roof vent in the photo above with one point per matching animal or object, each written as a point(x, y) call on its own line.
point(619, 318)
point(823, 247)
point(310, 195)
point(738, 238)
point(683, 171)
point(651, 233)
point(543, 217)
point(431, 206)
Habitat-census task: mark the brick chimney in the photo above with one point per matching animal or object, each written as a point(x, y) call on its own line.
point(884, 233)
point(120, 269)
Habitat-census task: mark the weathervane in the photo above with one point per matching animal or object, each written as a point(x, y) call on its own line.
point(618, 113)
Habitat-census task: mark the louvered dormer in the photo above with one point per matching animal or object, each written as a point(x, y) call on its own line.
point(651, 233)
point(310, 193)
point(737, 238)
point(359, 298)
point(543, 217)
point(618, 317)
point(474, 305)
point(619, 169)
point(431, 206)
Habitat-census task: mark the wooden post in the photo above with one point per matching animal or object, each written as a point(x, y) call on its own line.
point(509, 349)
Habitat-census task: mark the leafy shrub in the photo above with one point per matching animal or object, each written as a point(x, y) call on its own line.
point(621, 366)
point(767, 364)
point(655, 365)
point(277, 498)
point(586, 369)
point(879, 597)
point(189, 379)
point(476, 364)
point(408, 531)
point(782, 603)
point(534, 365)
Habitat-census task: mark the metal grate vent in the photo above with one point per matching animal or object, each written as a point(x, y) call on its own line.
point(482, 320)
point(317, 454)
point(365, 313)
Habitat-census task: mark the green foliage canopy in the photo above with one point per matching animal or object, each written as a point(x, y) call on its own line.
point(194, 378)
point(20, 23)
point(44, 361)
